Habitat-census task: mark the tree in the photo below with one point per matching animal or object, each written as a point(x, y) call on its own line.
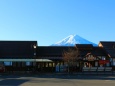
point(70, 57)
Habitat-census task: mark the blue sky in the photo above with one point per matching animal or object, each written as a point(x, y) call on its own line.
point(49, 21)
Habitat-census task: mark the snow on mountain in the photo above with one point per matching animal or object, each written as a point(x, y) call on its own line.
point(72, 40)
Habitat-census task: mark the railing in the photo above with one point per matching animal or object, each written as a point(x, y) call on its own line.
point(86, 69)
point(108, 69)
point(93, 69)
point(98, 69)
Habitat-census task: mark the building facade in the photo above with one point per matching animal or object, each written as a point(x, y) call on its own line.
point(27, 56)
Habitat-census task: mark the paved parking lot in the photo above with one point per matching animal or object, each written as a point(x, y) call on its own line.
point(57, 80)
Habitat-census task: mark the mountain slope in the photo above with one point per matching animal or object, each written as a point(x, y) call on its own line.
point(72, 40)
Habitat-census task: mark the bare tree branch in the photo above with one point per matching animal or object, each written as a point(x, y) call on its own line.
point(71, 56)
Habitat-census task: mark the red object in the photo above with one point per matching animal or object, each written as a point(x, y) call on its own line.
point(103, 61)
point(2, 69)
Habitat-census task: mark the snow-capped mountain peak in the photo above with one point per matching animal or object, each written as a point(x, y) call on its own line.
point(72, 40)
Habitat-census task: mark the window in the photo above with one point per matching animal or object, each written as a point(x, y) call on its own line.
point(85, 64)
point(50, 64)
point(7, 63)
point(96, 64)
point(111, 59)
point(53, 64)
point(113, 63)
point(46, 64)
point(28, 63)
point(34, 54)
point(108, 64)
point(103, 58)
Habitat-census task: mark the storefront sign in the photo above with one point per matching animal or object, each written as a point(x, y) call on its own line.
point(103, 61)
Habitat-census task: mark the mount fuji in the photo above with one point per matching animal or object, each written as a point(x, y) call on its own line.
point(72, 40)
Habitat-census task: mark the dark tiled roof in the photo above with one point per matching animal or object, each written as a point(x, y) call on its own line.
point(51, 50)
point(85, 46)
point(95, 51)
point(58, 51)
point(15, 49)
point(109, 46)
point(98, 51)
point(111, 52)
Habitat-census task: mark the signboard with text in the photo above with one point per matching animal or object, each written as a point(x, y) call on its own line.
point(103, 61)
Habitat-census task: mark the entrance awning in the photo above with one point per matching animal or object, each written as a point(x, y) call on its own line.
point(25, 60)
point(43, 60)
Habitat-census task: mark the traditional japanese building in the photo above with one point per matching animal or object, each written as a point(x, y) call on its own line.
point(17, 55)
point(23, 56)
